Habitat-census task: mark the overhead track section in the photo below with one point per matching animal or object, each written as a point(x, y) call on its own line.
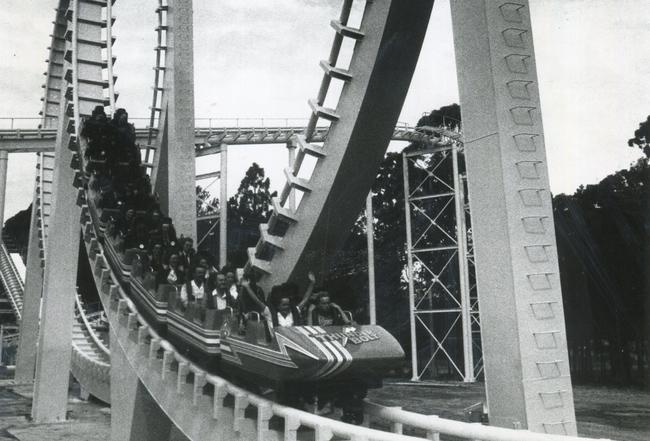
point(158, 88)
point(386, 48)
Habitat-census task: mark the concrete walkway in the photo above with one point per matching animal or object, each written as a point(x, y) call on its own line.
point(87, 420)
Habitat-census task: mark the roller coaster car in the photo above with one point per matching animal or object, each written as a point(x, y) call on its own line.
point(196, 331)
point(151, 299)
point(310, 358)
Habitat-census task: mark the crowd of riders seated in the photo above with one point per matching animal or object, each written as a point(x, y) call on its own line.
point(114, 167)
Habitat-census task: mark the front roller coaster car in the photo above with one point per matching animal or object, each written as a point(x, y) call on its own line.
point(334, 363)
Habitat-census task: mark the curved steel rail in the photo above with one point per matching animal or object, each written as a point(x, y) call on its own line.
point(87, 328)
point(90, 358)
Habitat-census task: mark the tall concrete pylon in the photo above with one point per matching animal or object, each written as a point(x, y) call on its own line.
point(174, 171)
point(29, 325)
point(522, 320)
point(26, 358)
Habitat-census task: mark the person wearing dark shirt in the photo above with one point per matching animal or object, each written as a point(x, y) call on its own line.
point(156, 258)
point(97, 130)
point(124, 133)
point(155, 227)
point(326, 313)
point(231, 280)
point(252, 297)
point(187, 253)
point(172, 272)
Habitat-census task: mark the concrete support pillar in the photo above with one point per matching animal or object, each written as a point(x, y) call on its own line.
point(59, 284)
point(524, 339)
point(370, 237)
point(176, 170)
point(135, 415)
point(4, 159)
point(223, 207)
point(26, 360)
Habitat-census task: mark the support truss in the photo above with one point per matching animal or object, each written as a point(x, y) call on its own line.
point(445, 326)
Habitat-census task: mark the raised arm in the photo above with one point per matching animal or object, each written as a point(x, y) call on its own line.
point(184, 296)
point(341, 313)
point(245, 283)
point(309, 291)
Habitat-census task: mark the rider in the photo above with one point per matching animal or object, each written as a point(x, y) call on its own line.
point(325, 312)
point(283, 310)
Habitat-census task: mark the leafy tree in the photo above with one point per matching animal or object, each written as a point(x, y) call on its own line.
point(247, 209)
point(15, 233)
point(448, 116)
point(252, 202)
point(601, 240)
point(642, 140)
point(642, 137)
point(205, 203)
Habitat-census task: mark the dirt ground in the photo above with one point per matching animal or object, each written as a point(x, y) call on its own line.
point(601, 412)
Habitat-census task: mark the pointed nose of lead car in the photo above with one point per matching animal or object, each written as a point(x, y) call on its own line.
point(341, 351)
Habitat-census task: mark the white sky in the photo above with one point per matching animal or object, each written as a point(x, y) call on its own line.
point(259, 58)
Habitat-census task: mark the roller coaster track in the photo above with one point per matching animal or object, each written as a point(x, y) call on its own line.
point(90, 357)
point(208, 139)
point(201, 404)
point(156, 116)
point(305, 236)
point(12, 282)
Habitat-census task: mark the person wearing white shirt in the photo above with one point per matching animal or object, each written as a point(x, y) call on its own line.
point(221, 296)
point(231, 281)
point(283, 311)
point(194, 290)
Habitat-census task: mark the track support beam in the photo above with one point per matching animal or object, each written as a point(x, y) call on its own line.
point(174, 169)
point(26, 360)
point(523, 331)
point(57, 314)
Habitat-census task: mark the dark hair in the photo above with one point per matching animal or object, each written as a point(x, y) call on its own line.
point(98, 110)
point(201, 255)
point(198, 267)
point(227, 269)
point(321, 294)
point(279, 292)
